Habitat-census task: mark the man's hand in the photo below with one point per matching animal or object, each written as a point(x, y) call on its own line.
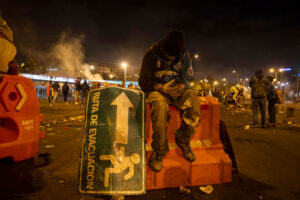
point(174, 91)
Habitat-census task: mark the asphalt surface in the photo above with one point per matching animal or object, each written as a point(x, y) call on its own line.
point(268, 160)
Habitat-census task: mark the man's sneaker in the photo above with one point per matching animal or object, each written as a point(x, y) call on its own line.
point(156, 161)
point(187, 152)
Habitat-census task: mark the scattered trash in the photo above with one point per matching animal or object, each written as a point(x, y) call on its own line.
point(51, 134)
point(49, 129)
point(42, 127)
point(207, 189)
point(247, 127)
point(54, 122)
point(61, 181)
point(66, 127)
point(289, 123)
point(72, 119)
point(65, 120)
point(118, 197)
point(184, 190)
point(48, 125)
point(49, 146)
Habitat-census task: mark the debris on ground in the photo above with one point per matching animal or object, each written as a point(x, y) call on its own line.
point(118, 197)
point(47, 125)
point(50, 146)
point(289, 123)
point(207, 189)
point(61, 181)
point(49, 129)
point(247, 127)
point(184, 190)
point(51, 134)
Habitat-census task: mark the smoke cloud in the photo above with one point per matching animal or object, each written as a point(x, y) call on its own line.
point(69, 55)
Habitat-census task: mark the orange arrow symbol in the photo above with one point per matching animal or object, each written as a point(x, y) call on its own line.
point(23, 95)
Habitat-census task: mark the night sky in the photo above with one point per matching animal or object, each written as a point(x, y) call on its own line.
point(227, 35)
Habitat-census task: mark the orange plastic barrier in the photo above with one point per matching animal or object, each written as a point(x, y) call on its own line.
point(19, 118)
point(212, 165)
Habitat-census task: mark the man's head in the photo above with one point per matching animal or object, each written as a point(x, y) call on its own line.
point(259, 74)
point(172, 44)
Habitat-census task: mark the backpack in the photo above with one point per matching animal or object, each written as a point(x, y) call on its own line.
point(279, 97)
point(259, 89)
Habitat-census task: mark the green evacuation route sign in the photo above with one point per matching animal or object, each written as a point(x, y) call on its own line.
point(113, 154)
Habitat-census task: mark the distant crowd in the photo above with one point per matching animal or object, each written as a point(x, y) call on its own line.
point(78, 90)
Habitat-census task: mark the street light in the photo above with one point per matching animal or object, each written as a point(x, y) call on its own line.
point(196, 56)
point(215, 83)
point(124, 65)
point(92, 67)
point(225, 84)
point(237, 76)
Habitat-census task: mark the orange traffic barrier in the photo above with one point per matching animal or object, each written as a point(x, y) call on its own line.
point(212, 165)
point(19, 118)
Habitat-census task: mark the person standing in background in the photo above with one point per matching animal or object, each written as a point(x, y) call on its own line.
point(271, 97)
point(49, 91)
point(56, 88)
point(77, 89)
point(258, 87)
point(85, 90)
point(65, 90)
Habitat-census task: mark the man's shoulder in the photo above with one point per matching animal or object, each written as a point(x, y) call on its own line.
point(151, 50)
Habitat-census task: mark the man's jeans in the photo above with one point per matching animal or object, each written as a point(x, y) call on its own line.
point(261, 104)
point(272, 110)
point(189, 107)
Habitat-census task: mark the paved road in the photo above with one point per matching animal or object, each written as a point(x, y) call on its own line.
point(268, 159)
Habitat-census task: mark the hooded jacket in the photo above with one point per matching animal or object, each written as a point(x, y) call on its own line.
point(157, 69)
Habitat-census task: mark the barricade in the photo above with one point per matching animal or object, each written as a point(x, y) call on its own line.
point(19, 118)
point(212, 165)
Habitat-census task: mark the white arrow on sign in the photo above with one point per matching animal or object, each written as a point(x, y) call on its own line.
point(23, 95)
point(123, 104)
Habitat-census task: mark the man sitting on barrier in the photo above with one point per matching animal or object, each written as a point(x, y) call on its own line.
point(165, 75)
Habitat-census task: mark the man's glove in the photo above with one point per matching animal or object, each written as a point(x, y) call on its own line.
point(174, 91)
